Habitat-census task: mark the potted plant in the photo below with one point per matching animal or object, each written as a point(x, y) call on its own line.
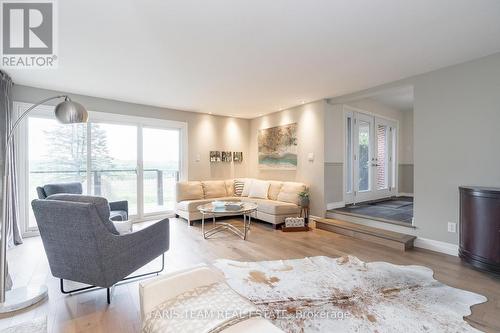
point(304, 198)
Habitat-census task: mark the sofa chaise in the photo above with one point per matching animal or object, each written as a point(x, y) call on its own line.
point(275, 200)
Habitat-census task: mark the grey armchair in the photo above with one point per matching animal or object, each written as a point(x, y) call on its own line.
point(82, 244)
point(119, 209)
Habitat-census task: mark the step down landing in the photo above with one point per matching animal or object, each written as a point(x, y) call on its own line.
point(388, 238)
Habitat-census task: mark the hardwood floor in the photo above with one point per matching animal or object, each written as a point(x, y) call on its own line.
point(88, 312)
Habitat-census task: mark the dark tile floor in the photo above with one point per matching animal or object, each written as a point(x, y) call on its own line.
point(398, 209)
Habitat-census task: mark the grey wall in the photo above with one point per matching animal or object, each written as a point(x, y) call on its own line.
point(334, 182)
point(456, 126)
point(205, 132)
point(405, 178)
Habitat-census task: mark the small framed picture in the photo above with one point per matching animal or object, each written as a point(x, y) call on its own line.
point(227, 156)
point(238, 156)
point(215, 156)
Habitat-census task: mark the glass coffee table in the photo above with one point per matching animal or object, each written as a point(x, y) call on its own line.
point(209, 210)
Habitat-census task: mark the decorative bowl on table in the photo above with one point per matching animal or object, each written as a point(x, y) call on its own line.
point(218, 204)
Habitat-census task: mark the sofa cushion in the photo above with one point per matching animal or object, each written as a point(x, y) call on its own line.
point(229, 187)
point(290, 192)
point(214, 189)
point(101, 205)
point(192, 205)
point(246, 187)
point(274, 189)
point(259, 189)
point(238, 187)
point(274, 207)
point(189, 191)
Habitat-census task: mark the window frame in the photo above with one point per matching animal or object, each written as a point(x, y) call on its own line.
point(47, 111)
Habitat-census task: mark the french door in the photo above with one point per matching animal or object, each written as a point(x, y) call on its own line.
point(370, 168)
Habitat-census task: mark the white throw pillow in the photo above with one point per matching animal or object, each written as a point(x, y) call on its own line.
point(246, 188)
point(259, 189)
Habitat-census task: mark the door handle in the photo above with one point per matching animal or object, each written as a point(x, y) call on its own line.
point(375, 165)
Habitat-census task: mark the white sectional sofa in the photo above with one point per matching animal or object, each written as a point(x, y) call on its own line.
point(275, 200)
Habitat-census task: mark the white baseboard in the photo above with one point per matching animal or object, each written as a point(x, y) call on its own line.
point(400, 194)
point(438, 246)
point(335, 205)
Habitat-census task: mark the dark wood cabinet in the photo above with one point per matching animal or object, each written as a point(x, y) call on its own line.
point(480, 227)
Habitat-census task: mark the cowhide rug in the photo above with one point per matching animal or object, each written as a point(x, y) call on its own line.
point(322, 294)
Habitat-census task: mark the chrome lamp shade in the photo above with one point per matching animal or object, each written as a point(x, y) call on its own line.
point(69, 112)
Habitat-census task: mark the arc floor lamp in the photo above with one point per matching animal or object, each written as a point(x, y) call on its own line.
point(67, 112)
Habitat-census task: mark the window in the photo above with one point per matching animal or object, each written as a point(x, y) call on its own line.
point(364, 155)
point(160, 169)
point(57, 153)
point(113, 152)
point(117, 157)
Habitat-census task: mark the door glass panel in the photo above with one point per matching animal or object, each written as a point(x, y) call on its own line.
point(161, 168)
point(349, 156)
point(57, 153)
point(114, 163)
point(364, 155)
point(382, 157)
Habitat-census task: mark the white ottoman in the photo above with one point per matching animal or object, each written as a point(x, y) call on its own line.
point(163, 291)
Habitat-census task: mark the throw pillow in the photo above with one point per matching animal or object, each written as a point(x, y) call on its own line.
point(238, 187)
point(246, 188)
point(259, 189)
point(290, 192)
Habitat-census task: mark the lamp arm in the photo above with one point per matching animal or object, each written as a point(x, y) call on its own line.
point(3, 223)
point(24, 114)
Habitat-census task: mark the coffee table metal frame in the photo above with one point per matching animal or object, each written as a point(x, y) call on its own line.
point(209, 210)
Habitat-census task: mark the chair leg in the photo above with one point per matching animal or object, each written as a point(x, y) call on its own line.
point(109, 293)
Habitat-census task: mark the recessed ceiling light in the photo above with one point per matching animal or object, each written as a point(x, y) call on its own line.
point(210, 113)
point(303, 102)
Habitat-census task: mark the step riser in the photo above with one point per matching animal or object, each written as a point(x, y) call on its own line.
point(361, 236)
point(371, 223)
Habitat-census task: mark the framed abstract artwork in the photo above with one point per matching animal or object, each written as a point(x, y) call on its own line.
point(278, 147)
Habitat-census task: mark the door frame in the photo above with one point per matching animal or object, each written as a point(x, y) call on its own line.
point(353, 196)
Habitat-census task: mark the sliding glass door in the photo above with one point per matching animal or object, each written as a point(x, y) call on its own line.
point(113, 152)
point(119, 158)
point(161, 163)
point(56, 153)
point(370, 168)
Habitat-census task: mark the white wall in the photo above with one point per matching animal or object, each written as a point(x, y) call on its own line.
point(311, 139)
point(205, 132)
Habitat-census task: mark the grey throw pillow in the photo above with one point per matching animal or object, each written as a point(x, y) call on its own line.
point(100, 203)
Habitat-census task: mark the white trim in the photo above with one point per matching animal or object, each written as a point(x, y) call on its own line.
point(437, 246)
point(402, 194)
point(335, 205)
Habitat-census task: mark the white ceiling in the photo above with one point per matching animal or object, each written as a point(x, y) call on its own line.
point(251, 57)
point(400, 99)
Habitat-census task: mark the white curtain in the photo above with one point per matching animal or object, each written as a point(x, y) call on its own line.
point(8, 118)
